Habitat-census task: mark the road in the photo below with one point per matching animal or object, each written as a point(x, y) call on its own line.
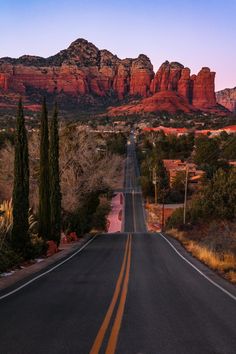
point(125, 293)
point(133, 208)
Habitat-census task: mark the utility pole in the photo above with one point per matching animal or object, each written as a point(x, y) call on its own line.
point(154, 181)
point(185, 193)
point(163, 213)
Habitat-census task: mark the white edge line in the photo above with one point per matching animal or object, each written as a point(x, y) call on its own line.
point(198, 270)
point(48, 271)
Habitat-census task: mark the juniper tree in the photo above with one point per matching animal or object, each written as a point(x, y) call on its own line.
point(162, 179)
point(55, 190)
point(44, 178)
point(20, 236)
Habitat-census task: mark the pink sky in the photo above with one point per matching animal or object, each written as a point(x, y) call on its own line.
point(194, 33)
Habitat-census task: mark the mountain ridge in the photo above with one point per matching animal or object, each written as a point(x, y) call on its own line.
point(88, 75)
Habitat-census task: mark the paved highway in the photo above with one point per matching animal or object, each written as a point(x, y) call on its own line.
point(127, 293)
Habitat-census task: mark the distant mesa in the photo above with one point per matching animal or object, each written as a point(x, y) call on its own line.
point(83, 74)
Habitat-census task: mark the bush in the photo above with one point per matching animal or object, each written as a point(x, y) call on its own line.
point(175, 220)
point(117, 144)
point(80, 221)
point(216, 201)
point(38, 246)
point(8, 259)
point(99, 221)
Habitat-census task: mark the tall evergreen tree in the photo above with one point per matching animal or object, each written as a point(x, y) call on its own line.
point(55, 190)
point(162, 179)
point(44, 179)
point(20, 235)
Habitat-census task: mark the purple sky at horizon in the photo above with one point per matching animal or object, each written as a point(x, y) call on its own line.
point(194, 33)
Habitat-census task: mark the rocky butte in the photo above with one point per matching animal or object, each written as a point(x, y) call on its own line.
point(83, 74)
point(227, 98)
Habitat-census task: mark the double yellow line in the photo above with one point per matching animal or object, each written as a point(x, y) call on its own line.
point(122, 278)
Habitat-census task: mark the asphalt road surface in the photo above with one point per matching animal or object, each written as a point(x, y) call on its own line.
point(126, 293)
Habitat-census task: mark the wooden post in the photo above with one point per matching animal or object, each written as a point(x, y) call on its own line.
point(163, 214)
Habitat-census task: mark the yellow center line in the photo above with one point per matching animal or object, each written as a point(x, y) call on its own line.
point(102, 331)
point(111, 347)
point(134, 215)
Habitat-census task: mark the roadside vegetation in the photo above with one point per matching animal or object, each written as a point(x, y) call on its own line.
point(54, 181)
point(153, 148)
point(209, 230)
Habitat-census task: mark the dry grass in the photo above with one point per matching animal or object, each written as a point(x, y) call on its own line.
point(223, 262)
point(231, 276)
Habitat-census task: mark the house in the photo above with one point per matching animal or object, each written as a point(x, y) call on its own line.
point(174, 167)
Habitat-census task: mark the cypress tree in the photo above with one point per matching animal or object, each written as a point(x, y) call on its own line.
point(44, 178)
point(55, 192)
point(20, 236)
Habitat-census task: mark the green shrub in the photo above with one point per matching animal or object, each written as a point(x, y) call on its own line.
point(99, 221)
point(176, 219)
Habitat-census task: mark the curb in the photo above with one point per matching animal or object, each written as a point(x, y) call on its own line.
point(26, 276)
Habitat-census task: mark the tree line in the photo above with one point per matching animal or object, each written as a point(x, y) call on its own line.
point(208, 153)
point(49, 217)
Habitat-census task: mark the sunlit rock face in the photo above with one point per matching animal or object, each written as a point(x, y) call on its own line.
point(227, 98)
point(87, 74)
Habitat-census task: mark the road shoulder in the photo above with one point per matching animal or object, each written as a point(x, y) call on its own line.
point(22, 276)
point(209, 275)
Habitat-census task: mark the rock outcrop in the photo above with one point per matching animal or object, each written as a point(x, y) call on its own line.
point(84, 72)
point(140, 76)
point(165, 101)
point(204, 89)
point(199, 90)
point(167, 77)
point(227, 98)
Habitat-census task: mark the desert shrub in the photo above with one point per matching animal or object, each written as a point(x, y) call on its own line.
point(35, 248)
point(80, 220)
point(176, 219)
point(99, 221)
point(38, 246)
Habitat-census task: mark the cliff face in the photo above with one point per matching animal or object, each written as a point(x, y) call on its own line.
point(83, 71)
point(80, 70)
point(199, 90)
point(227, 98)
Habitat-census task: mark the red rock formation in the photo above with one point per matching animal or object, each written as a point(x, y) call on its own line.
point(121, 83)
point(227, 98)
point(167, 101)
point(81, 69)
point(167, 77)
point(198, 90)
point(141, 76)
point(184, 84)
point(204, 89)
point(86, 73)
point(4, 82)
